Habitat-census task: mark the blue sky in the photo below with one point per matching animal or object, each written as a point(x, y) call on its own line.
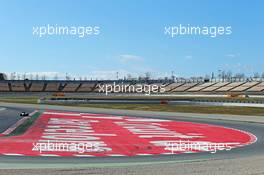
point(131, 39)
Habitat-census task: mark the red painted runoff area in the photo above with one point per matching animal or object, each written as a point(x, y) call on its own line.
point(58, 133)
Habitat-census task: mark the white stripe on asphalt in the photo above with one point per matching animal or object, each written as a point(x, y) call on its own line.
point(95, 117)
point(147, 120)
point(115, 155)
point(60, 113)
point(144, 154)
point(84, 155)
point(12, 154)
point(49, 155)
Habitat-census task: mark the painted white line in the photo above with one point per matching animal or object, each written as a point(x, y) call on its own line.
point(84, 155)
point(13, 154)
point(116, 155)
point(170, 153)
point(110, 118)
point(144, 154)
point(76, 134)
point(32, 113)
point(189, 152)
point(14, 126)
point(50, 155)
point(147, 120)
point(2, 109)
point(60, 113)
point(101, 115)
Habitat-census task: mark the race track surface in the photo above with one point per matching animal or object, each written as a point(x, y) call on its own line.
point(10, 115)
point(241, 153)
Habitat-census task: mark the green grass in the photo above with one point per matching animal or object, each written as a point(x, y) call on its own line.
point(182, 108)
point(232, 99)
point(23, 127)
point(26, 100)
point(33, 100)
point(158, 107)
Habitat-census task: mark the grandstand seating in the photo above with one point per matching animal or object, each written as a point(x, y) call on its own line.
point(184, 87)
point(86, 87)
point(244, 87)
point(79, 86)
point(229, 86)
point(4, 87)
point(36, 87)
point(18, 87)
point(200, 87)
point(258, 88)
point(172, 86)
point(71, 87)
point(214, 87)
point(52, 87)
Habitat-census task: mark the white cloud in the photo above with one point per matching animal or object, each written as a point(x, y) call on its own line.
point(125, 58)
point(232, 55)
point(188, 57)
point(30, 75)
point(110, 74)
point(239, 68)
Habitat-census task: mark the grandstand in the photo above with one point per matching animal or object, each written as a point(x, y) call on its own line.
point(52, 87)
point(215, 87)
point(184, 87)
point(4, 87)
point(172, 86)
point(244, 87)
point(229, 86)
point(37, 87)
point(201, 87)
point(258, 88)
point(86, 87)
point(71, 87)
point(16, 86)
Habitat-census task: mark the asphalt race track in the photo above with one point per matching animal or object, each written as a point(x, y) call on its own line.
point(10, 116)
point(237, 155)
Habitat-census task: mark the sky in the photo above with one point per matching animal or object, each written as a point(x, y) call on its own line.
point(132, 38)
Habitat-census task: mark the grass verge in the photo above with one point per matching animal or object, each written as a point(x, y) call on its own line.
point(24, 126)
point(182, 108)
point(156, 107)
point(26, 100)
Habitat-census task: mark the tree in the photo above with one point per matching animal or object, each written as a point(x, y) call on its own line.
point(43, 77)
point(229, 75)
point(67, 77)
point(147, 75)
point(256, 75)
point(31, 76)
point(56, 77)
point(240, 76)
point(129, 77)
point(24, 76)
